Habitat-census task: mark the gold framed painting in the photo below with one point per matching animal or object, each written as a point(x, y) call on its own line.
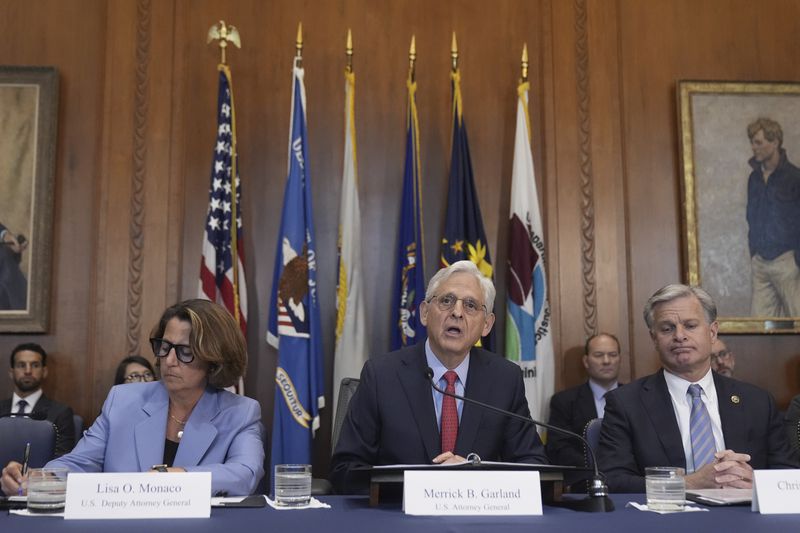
point(28, 117)
point(741, 200)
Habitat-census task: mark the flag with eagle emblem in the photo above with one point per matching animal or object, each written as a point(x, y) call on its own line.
point(294, 328)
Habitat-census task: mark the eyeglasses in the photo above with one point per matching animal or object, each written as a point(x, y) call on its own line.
point(722, 354)
point(162, 347)
point(446, 302)
point(144, 376)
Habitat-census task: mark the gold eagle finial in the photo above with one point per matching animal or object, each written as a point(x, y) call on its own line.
point(224, 34)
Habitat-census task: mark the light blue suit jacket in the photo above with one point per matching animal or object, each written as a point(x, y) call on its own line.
point(223, 436)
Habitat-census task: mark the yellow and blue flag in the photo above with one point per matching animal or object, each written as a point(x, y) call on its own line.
point(409, 291)
point(464, 236)
point(294, 327)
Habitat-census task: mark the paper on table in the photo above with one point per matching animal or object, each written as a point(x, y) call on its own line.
point(729, 496)
point(25, 512)
point(312, 504)
point(643, 507)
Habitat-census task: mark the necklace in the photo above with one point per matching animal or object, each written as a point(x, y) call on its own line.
point(179, 421)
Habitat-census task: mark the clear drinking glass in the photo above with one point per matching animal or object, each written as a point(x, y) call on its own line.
point(292, 485)
point(666, 488)
point(47, 490)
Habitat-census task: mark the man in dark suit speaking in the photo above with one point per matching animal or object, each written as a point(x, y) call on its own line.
point(685, 415)
point(28, 371)
point(395, 417)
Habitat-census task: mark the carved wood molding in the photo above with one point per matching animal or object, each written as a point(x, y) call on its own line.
point(586, 175)
point(136, 255)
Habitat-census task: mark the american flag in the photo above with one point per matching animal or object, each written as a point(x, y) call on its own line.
point(218, 281)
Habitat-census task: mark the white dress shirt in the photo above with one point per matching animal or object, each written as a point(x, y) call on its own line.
point(682, 406)
point(30, 398)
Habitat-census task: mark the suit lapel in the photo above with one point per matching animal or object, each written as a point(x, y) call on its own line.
point(420, 398)
point(585, 401)
point(658, 406)
point(150, 433)
point(729, 401)
point(478, 386)
point(199, 433)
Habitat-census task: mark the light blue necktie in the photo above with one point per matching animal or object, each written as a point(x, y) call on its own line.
point(703, 447)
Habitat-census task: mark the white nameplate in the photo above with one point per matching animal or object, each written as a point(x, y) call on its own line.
point(776, 491)
point(447, 492)
point(138, 495)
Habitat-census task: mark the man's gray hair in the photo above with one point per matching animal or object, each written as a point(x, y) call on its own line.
point(467, 267)
point(675, 291)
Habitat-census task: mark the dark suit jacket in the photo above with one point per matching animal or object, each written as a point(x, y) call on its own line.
point(392, 419)
point(570, 409)
point(640, 430)
point(57, 413)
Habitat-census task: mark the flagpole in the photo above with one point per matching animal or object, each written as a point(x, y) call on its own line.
point(524, 63)
point(298, 45)
point(223, 33)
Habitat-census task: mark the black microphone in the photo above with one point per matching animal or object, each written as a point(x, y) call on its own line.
point(597, 500)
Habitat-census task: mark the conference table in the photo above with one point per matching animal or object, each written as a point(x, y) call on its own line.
point(353, 514)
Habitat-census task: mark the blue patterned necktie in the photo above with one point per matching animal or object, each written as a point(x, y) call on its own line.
point(703, 447)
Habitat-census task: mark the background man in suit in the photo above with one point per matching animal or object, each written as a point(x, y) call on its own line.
point(723, 360)
point(28, 371)
point(685, 415)
point(573, 408)
point(396, 417)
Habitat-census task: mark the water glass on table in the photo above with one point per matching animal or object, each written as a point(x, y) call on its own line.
point(292, 485)
point(665, 487)
point(47, 490)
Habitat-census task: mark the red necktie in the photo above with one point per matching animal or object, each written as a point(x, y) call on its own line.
point(449, 414)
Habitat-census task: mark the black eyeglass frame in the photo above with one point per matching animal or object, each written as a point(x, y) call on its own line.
point(156, 344)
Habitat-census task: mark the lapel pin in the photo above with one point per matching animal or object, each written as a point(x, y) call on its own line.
point(735, 398)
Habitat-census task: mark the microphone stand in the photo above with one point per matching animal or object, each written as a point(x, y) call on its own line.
point(597, 500)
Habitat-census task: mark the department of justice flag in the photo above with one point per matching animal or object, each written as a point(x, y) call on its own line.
point(294, 327)
point(529, 336)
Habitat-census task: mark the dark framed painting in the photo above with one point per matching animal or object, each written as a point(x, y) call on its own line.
point(740, 144)
point(28, 130)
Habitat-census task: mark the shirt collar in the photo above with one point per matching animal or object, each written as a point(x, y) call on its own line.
point(678, 387)
point(598, 391)
point(439, 369)
point(30, 398)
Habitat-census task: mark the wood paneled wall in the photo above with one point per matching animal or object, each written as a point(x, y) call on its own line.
point(136, 130)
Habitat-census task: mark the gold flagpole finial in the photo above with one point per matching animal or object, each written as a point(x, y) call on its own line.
point(298, 45)
point(525, 63)
point(412, 57)
point(349, 50)
point(454, 52)
point(224, 34)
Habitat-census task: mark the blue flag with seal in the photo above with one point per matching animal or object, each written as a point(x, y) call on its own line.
point(464, 236)
point(409, 289)
point(294, 327)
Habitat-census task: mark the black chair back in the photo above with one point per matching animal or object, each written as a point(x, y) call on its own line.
point(592, 434)
point(17, 431)
point(346, 391)
point(77, 420)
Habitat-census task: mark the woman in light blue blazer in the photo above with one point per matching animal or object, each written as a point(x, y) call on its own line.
point(185, 422)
